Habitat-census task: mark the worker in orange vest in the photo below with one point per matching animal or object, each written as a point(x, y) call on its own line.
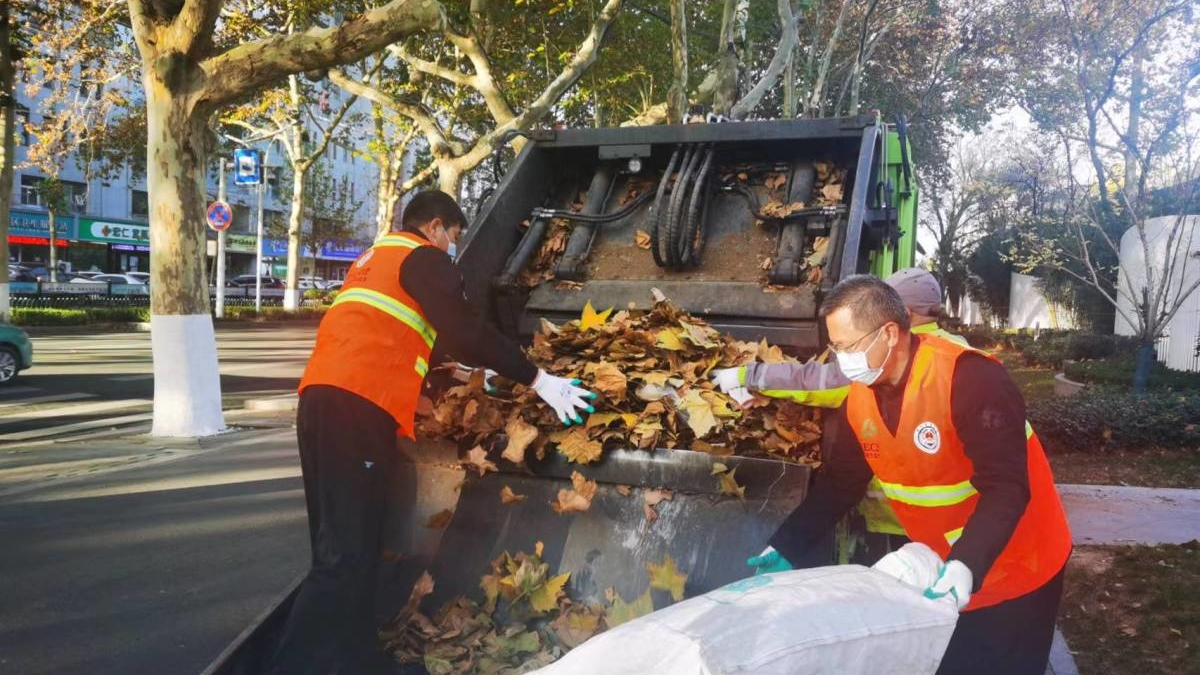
point(358, 393)
point(942, 426)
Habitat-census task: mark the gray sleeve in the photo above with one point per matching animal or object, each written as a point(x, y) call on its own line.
point(810, 376)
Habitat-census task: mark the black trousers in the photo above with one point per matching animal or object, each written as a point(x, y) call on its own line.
point(347, 454)
point(1011, 638)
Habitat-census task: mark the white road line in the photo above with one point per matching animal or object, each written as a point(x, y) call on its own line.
point(79, 409)
point(8, 392)
point(67, 428)
point(53, 398)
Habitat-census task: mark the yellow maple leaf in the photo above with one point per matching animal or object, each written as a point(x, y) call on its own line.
point(591, 318)
point(622, 611)
point(577, 447)
point(608, 379)
point(545, 597)
point(668, 338)
point(700, 417)
point(667, 577)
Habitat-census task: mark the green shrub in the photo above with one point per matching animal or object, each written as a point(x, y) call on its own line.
point(1050, 348)
point(44, 316)
point(1100, 419)
point(274, 314)
point(1118, 371)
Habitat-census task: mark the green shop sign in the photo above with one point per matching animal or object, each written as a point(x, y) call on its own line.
point(112, 232)
point(241, 243)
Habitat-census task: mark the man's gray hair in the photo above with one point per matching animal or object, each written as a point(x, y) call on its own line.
point(871, 301)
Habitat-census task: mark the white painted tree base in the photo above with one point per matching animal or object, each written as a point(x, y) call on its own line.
point(187, 381)
point(291, 299)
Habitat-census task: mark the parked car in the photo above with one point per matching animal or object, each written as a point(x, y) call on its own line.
point(334, 285)
point(87, 275)
point(20, 273)
point(307, 283)
point(247, 281)
point(16, 352)
point(119, 279)
point(142, 277)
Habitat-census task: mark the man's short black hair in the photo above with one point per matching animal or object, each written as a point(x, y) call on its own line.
point(873, 303)
point(430, 204)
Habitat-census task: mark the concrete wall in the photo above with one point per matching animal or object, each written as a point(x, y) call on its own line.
point(1028, 308)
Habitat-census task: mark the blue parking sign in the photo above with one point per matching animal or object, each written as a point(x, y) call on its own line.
point(247, 170)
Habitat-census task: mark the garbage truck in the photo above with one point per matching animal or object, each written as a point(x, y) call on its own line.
point(735, 228)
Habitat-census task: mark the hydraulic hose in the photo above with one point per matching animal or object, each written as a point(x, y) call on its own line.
point(659, 222)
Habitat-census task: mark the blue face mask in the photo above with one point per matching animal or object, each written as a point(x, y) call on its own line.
point(452, 251)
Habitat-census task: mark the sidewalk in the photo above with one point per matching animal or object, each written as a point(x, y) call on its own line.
point(1109, 514)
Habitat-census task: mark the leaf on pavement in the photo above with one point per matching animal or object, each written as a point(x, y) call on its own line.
point(591, 318)
point(507, 496)
point(642, 239)
point(440, 519)
point(520, 434)
point(545, 597)
point(729, 486)
point(651, 499)
point(477, 459)
point(579, 498)
point(621, 611)
point(667, 577)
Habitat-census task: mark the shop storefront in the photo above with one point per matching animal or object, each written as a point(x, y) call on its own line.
point(332, 262)
point(124, 245)
point(29, 238)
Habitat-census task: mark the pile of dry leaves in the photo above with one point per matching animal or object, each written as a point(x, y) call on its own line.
point(525, 621)
point(651, 370)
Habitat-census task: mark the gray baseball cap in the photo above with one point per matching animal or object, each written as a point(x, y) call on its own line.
point(918, 289)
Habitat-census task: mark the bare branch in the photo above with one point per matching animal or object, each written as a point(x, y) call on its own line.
point(783, 52)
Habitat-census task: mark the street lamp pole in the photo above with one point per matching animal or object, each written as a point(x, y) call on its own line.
point(258, 254)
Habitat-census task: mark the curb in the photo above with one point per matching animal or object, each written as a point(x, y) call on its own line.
point(1066, 388)
point(144, 326)
point(284, 403)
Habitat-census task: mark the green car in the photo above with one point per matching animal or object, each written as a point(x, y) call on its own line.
point(16, 352)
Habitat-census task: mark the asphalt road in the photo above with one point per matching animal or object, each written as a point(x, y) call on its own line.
point(152, 566)
point(84, 382)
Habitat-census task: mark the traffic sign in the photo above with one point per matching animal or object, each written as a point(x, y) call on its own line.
point(219, 215)
point(247, 169)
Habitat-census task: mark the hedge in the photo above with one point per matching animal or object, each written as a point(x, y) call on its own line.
point(1118, 371)
point(44, 316)
point(1101, 419)
point(274, 313)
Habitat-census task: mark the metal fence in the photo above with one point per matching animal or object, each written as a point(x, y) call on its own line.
point(44, 294)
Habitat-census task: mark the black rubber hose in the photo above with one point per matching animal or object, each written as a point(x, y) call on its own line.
point(683, 187)
point(660, 207)
point(596, 218)
point(693, 235)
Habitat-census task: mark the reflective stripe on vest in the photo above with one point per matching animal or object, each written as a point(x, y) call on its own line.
point(421, 366)
point(392, 307)
point(394, 240)
point(954, 535)
point(820, 398)
point(930, 495)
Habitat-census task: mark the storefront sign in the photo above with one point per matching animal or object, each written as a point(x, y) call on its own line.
point(131, 247)
point(109, 232)
point(30, 224)
point(240, 243)
point(36, 241)
point(342, 250)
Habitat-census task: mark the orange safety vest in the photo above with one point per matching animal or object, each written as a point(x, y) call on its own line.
point(926, 477)
point(375, 341)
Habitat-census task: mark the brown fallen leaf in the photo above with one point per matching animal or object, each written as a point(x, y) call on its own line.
point(832, 192)
point(624, 490)
point(667, 577)
point(477, 459)
point(729, 486)
point(577, 499)
point(578, 447)
point(641, 238)
point(520, 434)
point(700, 417)
point(440, 519)
point(609, 380)
point(507, 496)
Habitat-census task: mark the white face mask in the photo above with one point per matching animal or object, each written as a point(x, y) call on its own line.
point(855, 366)
point(452, 251)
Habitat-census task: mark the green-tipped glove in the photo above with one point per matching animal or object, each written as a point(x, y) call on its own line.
point(954, 579)
point(769, 561)
point(564, 396)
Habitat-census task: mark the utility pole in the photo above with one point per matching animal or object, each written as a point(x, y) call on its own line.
point(220, 309)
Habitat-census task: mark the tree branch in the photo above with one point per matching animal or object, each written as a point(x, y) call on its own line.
point(249, 66)
point(193, 27)
point(783, 52)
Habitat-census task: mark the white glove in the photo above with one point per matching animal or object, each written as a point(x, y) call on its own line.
point(914, 564)
point(563, 395)
point(728, 379)
point(954, 579)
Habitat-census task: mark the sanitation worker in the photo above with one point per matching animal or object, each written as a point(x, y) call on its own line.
point(942, 426)
point(823, 385)
point(357, 394)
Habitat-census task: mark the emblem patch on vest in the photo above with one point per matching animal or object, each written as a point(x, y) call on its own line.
point(365, 257)
point(928, 438)
point(868, 429)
